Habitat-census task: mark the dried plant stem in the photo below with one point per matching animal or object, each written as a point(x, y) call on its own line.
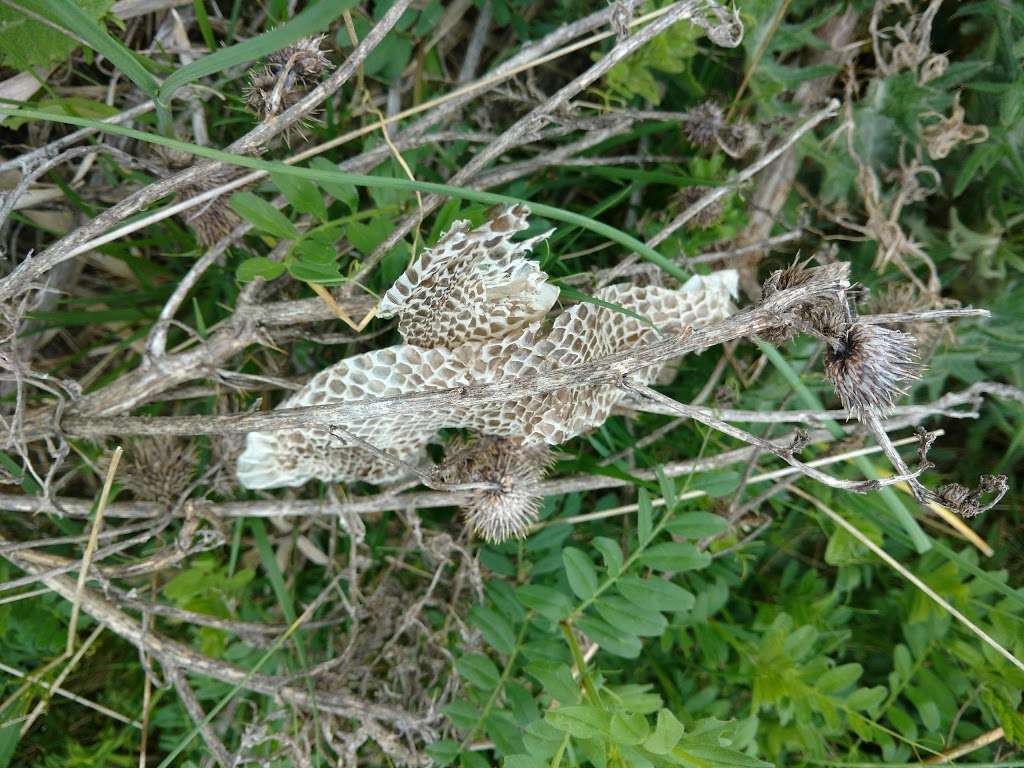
point(195, 711)
point(906, 574)
point(978, 742)
point(90, 547)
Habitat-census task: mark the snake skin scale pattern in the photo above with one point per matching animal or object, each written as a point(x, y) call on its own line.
point(472, 310)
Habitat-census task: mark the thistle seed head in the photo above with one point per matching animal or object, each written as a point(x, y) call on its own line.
point(824, 312)
point(213, 219)
point(707, 217)
point(869, 366)
point(968, 503)
point(702, 123)
point(513, 469)
point(285, 77)
point(158, 469)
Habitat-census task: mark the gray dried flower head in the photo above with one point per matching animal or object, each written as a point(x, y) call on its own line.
point(702, 123)
point(869, 366)
point(213, 219)
point(158, 468)
point(968, 503)
point(513, 469)
point(707, 216)
point(825, 312)
point(285, 77)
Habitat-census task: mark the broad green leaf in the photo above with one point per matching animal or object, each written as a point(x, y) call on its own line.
point(556, 677)
point(644, 516)
point(548, 602)
point(26, 43)
point(611, 552)
point(717, 482)
point(697, 525)
point(580, 721)
point(839, 678)
point(259, 266)
point(676, 556)
point(654, 593)
point(303, 194)
point(443, 752)
point(495, 628)
point(313, 272)
point(636, 698)
point(864, 699)
point(340, 191)
point(667, 733)
point(628, 729)
point(712, 755)
point(580, 572)
point(263, 215)
point(610, 639)
point(629, 617)
point(478, 670)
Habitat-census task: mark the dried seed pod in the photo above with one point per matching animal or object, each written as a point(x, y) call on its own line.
point(513, 468)
point(702, 123)
point(968, 503)
point(158, 469)
point(869, 367)
point(825, 313)
point(285, 77)
point(707, 216)
point(213, 219)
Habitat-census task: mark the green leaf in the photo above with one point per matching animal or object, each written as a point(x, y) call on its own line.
point(628, 729)
point(302, 194)
point(580, 572)
point(644, 516)
point(610, 639)
point(314, 251)
point(676, 556)
point(443, 752)
point(839, 678)
point(627, 616)
point(340, 191)
point(495, 628)
point(582, 722)
point(548, 602)
point(655, 593)
point(667, 733)
point(611, 553)
point(478, 670)
point(312, 272)
point(556, 677)
point(717, 482)
point(263, 215)
point(259, 266)
point(697, 525)
point(866, 698)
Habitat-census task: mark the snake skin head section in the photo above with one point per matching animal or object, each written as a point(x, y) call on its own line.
point(473, 285)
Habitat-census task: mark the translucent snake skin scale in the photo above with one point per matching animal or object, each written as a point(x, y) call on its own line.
point(472, 311)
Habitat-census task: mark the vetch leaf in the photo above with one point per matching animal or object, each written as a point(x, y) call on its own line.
point(340, 191)
point(629, 729)
point(697, 525)
point(495, 628)
point(582, 722)
point(611, 552)
point(548, 602)
point(580, 572)
point(657, 594)
point(263, 215)
point(644, 516)
point(629, 617)
point(675, 556)
point(667, 733)
point(302, 194)
point(609, 638)
point(478, 670)
point(259, 266)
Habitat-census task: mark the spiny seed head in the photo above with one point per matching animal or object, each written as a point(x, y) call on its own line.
point(158, 468)
point(707, 216)
point(305, 57)
point(869, 367)
point(285, 77)
point(825, 308)
point(968, 503)
point(738, 139)
point(702, 123)
point(213, 219)
point(513, 469)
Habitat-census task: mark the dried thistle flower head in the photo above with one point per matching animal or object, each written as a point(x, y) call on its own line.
point(158, 468)
point(869, 366)
point(285, 77)
point(825, 313)
point(512, 469)
point(706, 127)
point(706, 217)
point(701, 124)
point(968, 503)
point(213, 219)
